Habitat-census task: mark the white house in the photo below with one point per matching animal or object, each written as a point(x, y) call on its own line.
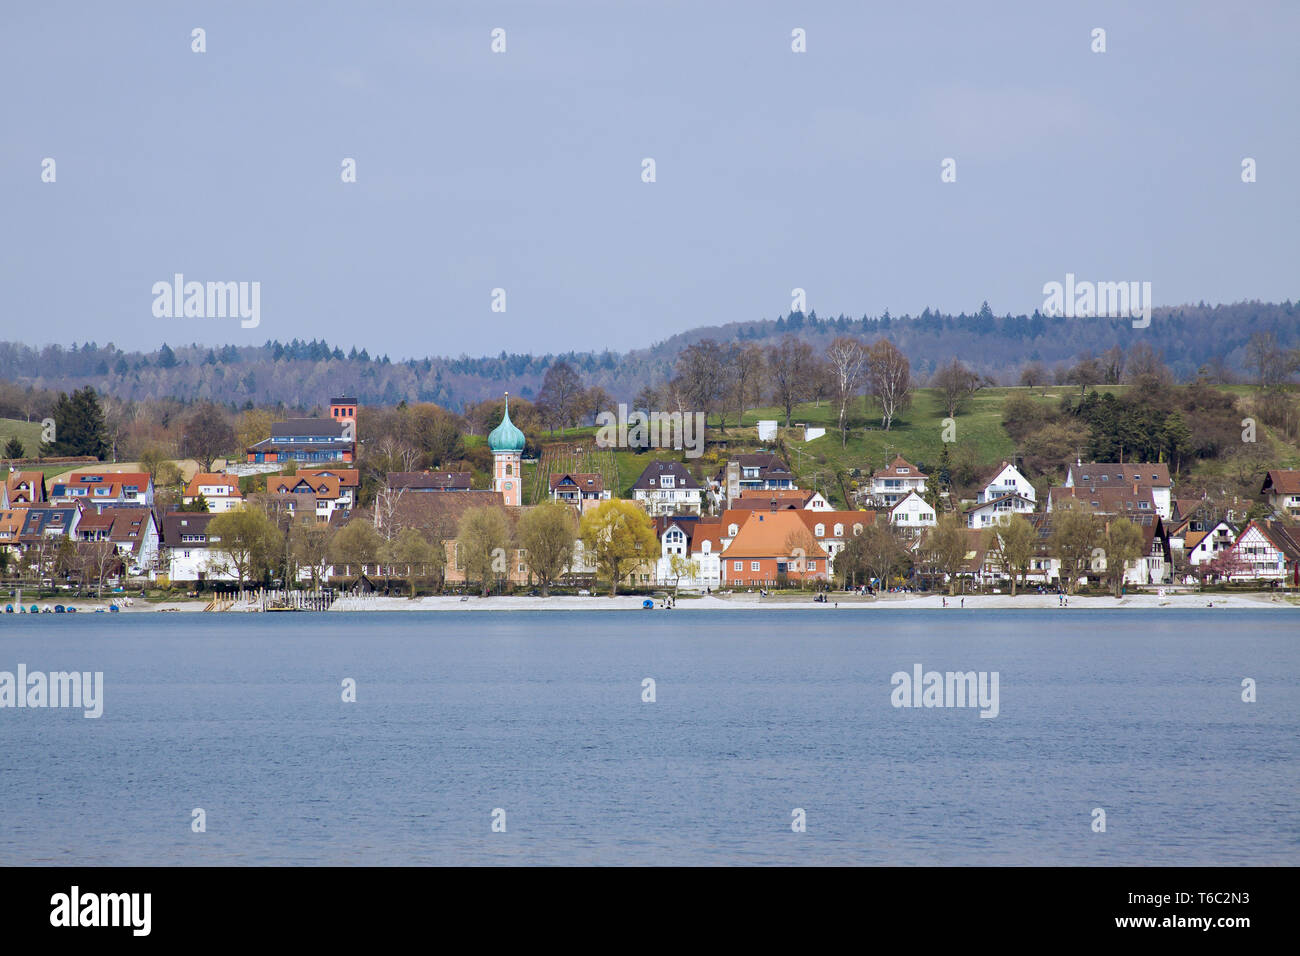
point(1007, 481)
point(1282, 489)
point(912, 513)
point(221, 492)
point(1202, 547)
point(189, 554)
point(700, 545)
point(1267, 551)
point(667, 488)
point(891, 485)
point(996, 510)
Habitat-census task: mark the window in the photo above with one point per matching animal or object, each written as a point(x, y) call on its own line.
point(819, 530)
point(839, 531)
point(753, 565)
point(737, 565)
point(812, 565)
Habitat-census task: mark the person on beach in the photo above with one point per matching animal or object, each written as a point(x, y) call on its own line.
point(963, 602)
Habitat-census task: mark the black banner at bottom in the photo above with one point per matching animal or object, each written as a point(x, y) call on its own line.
point(340, 905)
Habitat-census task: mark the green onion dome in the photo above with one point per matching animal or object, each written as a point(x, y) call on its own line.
point(506, 437)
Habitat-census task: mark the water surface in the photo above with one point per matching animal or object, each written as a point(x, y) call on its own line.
point(1138, 712)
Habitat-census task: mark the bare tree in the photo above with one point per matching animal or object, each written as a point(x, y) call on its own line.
point(956, 383)
point(560, 394)
point(891, 379)
point(847, 359)
point(789, 369)
point(747, 378)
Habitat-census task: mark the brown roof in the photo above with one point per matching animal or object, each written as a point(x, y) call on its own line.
point(584, 481)
point(35, 480)
point(1281, 482)
point(322, 486)
point(439, 515)
point(1104, 474)
point(229, 482)
point(772, 498)
point(176, 523)
point(348, 477)
point(829, 519)
point(129, 524)
point(1284, 535)
point(429, 480)
point(1110, 499)
point(895, 470)
point(771, 535)
point(710, 531)
point(11, 522)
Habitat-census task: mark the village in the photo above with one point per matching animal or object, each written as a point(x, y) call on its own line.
point(287, 525)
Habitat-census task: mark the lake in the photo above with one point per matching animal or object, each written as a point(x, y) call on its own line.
point(757, 714)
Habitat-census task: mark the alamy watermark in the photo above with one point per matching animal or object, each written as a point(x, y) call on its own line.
point(73, 689)
point(923, 688)
point(211, 300)
point(624, 429)
point(1108, 300)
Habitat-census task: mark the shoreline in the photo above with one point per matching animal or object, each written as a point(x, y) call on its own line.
point(737, 602)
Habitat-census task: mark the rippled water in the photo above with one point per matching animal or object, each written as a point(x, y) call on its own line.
point(757, 713)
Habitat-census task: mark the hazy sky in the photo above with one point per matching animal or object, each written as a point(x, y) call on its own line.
point(523, 170)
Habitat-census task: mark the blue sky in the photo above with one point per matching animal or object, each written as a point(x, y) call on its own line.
point(522, 170)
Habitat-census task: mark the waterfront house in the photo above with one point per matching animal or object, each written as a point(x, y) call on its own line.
point(689, 539)
point(832, 530)
point(189, 553)
point(772, 548)
point(1202, 547)
point(1267, 551)
point(1100, 476)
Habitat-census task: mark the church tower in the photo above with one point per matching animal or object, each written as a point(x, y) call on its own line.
point(507, 445)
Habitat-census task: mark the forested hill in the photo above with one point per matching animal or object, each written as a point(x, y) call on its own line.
point(306, 373)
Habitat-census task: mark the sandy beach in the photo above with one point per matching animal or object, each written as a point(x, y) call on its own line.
point(734, 602)
point(754, 602)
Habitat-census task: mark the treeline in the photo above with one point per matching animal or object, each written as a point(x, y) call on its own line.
point(1192, 339)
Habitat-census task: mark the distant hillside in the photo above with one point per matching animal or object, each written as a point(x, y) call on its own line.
point(306, 373)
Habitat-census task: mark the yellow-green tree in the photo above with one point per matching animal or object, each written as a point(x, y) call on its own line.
point(414, 552)
point(948, 545)
point(547, 534)
point(1076, 532)
point(482, 539)
point(249, 539)
point(1124, 541)
point(357, 542)
point(619, 537)
point(1017, 541)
